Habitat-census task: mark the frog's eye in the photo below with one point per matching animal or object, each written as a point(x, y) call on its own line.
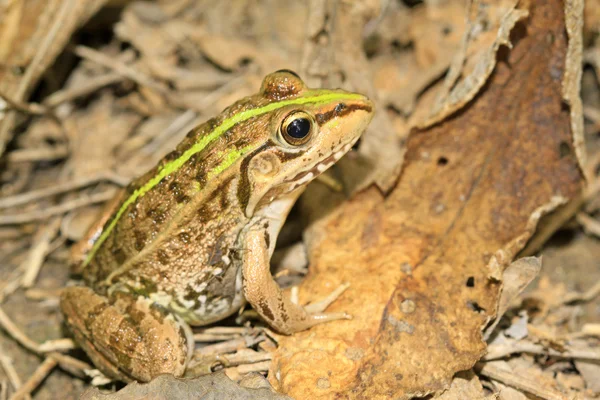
point(297, 128)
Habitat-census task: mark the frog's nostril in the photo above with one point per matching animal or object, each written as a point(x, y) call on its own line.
point(340, 107)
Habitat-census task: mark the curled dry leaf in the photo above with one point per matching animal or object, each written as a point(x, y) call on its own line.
point(515, 279)
point(489, 27)
point(425, 263)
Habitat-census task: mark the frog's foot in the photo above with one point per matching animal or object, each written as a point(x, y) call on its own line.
point(127, 338)
point(266, 297)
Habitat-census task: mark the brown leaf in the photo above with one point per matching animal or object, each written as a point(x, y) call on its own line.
point(516, 277)
point(488, 28)
point(425, 262)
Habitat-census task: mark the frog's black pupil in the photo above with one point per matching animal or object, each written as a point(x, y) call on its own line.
point(298, 128)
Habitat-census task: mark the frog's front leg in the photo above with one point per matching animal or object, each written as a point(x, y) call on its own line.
point(267, 298)
point(127, 337)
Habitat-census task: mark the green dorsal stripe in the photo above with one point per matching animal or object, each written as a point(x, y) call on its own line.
point(228, 159)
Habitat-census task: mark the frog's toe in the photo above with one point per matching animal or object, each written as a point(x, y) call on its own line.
point(127, 338)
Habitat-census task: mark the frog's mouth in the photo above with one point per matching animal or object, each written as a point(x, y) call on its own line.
point(304, 177)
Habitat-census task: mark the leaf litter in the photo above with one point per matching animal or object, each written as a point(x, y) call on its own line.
point(476, 157)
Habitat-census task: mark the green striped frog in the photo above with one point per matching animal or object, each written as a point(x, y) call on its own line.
point(189, 242)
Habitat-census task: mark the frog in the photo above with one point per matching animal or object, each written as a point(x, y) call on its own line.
point(189, 242)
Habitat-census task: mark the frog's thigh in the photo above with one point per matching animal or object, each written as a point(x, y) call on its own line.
point(127, 338)
point(265, 295)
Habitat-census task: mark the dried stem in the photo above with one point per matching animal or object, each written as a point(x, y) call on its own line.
point(37, 215)
point(34, 380)
point(63, 187)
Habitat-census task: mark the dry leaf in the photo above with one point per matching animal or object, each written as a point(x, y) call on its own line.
point(516, 277)
point(209, 387)
point(424, 263)
point(33, 34)
point(488, 28)
point(465, 385)
point(590, 371)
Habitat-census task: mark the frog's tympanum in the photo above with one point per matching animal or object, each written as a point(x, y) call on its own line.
point(189, 242)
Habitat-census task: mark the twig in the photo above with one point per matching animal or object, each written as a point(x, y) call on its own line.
point(228, 330)
point(209, 337)
point(72, 365)
point(10, 328)
point(37, 253)
point(590, 225)
point(235, 373)
point(492, 371)
point(255, 367)
point(57, 210)
point(230, 345)
point(10, 371)
point(585, 297)
point(117, 66)
point(220, 333)
point(27, 108)
point(245, 356)
point(63, 344)
point(62, 96)
point(10, 288)
point(38, 376)
point(496, 352)
point(38, 154)
point(4, 389)
point(64, 187)
point(76, 367)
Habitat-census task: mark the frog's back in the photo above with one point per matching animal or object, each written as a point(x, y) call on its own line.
point(174, 238)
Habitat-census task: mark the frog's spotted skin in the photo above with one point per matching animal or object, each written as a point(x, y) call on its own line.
point(182, 234)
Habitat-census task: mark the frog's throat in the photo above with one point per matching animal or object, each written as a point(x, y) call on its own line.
point(229, 159)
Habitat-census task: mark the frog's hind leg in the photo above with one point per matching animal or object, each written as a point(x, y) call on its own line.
point(267, 298)
point(127, 337)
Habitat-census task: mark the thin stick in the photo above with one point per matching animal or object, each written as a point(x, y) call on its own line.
point(590, 225)
point(119, 67)
point(38, 154)
point(230, 345)
point(27, 108)
point(57, 210)
point(4, 389)
point(255, 367)
point(16, 333)
point(509, 378)
point(63, 344)
point(585, 297)
point(10, 288)
point(72, 365)
point(37, 253)
point(38, 376)
point(64, 187)
point(496, 352)
point(62, 96)
point(246, 356)
point(9, 370)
